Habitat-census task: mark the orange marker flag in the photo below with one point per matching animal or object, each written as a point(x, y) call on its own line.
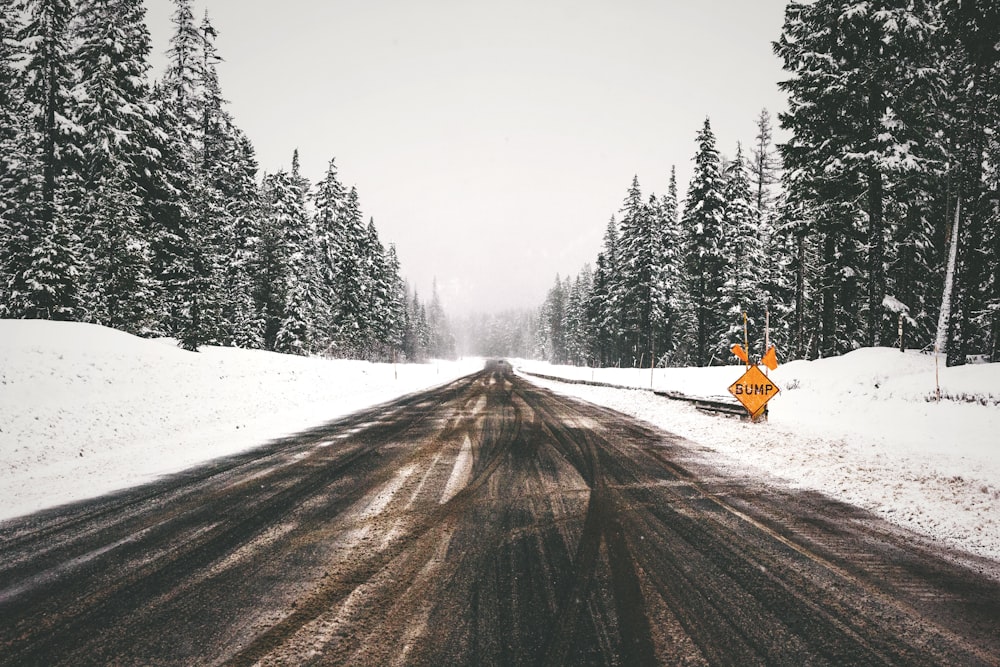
point(740, 353)
point(770, 358)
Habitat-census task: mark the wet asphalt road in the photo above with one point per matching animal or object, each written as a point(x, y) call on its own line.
point(487, 522)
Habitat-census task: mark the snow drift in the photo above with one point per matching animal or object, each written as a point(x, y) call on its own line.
point(865, 428)
point(85, 409)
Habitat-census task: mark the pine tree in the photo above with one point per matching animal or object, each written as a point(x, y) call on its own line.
point(796, 229)
point(305, 267)
point(51, 279)
point(209, 170)
point(350, 287)
point(787, 276)
point(411, 337)
point(166, 185)
point(183, 254)
point(49, 79)
point(642, 275)
point(765, 178)
point(111, 94)
point(294, 334)
point(122, 288)
point(416, 338)
point(774, 286)
point(271, 263)
point(855, 67)
point(215, 151)
point(396, 314)
point(184, 75)
point(704, 264)
point(743, 251)
point(599, 337)
point(377, 286)
point(41, 260)
point(12, 109)
point(764, 167)
point(242, 325)
point(162, 178)
point(552, 332)
point(606, 298)
point(971, 102)
point(441, 342)
point(577, 342)
point(286, 282)
point(329, 200)
point(915, 255)
point(632, 274)
point(679, 323)
point(110, 104)
point(15, 160)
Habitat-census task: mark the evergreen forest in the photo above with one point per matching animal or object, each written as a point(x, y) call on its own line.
point(138, 204)
point(874, 224)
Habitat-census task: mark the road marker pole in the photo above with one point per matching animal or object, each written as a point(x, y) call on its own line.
point(767, 346)
point(937, 376)
point(746, 338)
point(767, 330)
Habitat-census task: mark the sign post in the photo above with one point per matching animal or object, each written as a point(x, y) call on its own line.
point(754, 389)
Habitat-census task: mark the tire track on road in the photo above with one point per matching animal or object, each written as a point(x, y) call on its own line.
point(486, 522)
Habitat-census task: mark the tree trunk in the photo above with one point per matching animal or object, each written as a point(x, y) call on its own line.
point(995, 262)
point(876, 256)
point(828, 327)
point(944, 315)
point(970, 267)
point(956, 345)
point(702, 315)
point(800, 298)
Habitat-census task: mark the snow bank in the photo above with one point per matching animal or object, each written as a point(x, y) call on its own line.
point(863, 428)
point(85, 409)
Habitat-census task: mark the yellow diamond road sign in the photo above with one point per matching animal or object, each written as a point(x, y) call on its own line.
point(753, 390)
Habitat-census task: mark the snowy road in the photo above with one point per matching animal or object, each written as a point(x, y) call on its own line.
point(485, 522)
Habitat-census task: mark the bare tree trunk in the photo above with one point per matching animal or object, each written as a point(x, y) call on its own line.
point(800, 299)
point(944, 315)
point(876, 257)
point(995, 328)
point(828, 327)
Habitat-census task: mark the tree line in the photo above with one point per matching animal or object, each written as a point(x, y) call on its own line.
point(879, 214)
point(138, 204)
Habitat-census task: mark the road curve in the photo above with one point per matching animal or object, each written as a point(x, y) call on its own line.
point(486, 522)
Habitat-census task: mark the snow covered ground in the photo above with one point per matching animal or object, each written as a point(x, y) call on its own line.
point(85, 410)
point(863, 428)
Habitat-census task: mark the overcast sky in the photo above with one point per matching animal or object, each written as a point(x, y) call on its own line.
point(491, 142)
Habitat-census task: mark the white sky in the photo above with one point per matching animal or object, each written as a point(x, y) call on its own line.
point(491, 142)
